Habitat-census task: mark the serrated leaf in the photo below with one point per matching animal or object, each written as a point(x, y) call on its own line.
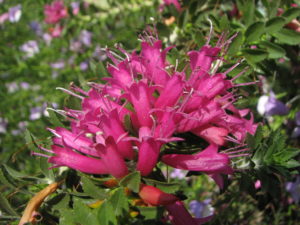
point(275, 24)
point(5, 206)
point(132, 181)
point(106, 214)
point(119, 202)
point(254, 31)
point(91, 189)
point(288, 36)
point(274, 50)
point(291, 13)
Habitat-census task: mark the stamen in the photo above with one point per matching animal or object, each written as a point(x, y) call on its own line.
point(240, 155)
point(40, 154)
point(70, 92)
point(239, 74)
point(246, 84)
point(54, 132)
point(45, 149)
point(210, 31)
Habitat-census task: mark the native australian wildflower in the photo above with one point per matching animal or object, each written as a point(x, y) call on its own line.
point(146, 112)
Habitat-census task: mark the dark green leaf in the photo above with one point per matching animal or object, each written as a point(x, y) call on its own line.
point(106, 215)
point(167, 187)
point(255, 55)
point(91, 189)
point(54, 119)
point(287, 36)
point(254, 31)
point(235, 44)
point(275, 24)
point(132, 181)
point(119, 202)
point(291, 13)
point(274, 50)
point(5, 206)
point(151, 212)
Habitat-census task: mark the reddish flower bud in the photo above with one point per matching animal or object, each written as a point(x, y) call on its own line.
point(155, 196)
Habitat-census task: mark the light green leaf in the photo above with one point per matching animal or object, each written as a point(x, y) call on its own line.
point(106, 215)
point(255, 55)
point(119, 202)
point(132, 181)
point(235, 44)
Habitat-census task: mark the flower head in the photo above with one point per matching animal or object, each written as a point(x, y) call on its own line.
point(146, 106)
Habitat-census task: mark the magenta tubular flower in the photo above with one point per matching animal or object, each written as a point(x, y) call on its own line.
point(145, 106)
point(208, 160)
point(55, 12)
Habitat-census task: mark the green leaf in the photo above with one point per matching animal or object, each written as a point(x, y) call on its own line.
point(106, 214)
point(82, 213)
point(54, 119)
point(288, 36)
point(5, 206)
point(254, 31)
point(275, 24)
point(119, 202)
point(164, 186)
point(235, 44)
point(132, 181)
point(255, 55)
point(91, 189)
point(151, 212)
point(291, 13)
point(274, 50)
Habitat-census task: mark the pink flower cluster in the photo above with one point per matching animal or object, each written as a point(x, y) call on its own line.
point(157, 103)
point(144, 106)
point(55, 12)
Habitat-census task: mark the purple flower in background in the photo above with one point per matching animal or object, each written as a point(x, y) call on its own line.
point(24, 85)
point(75, 7)
point(12, 87)
point(58, 65)
point(14, 13)
point(99, 54)
point(294, 189)
point(269, 106)
point(30, 48)
point(296, 131)
point(21, 128)
point(86, 38)
point(36, 27)
point(47, 38)
point(178, 173)
point(201, 209)
point(38, 111)
point(75, 46)
point(3, 125)
point(84, 66)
